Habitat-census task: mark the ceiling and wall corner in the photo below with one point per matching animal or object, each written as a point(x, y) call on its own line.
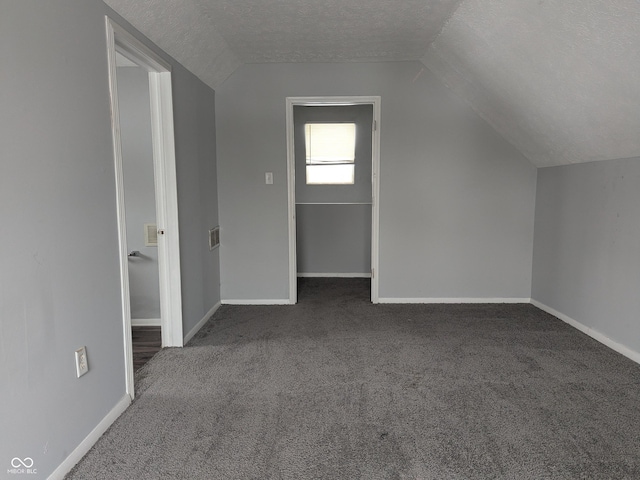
point(185, 32)
point(328, 31)
point(558, 79)
point(212, 38)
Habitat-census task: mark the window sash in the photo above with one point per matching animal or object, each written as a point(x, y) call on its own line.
point(331, 174)
point(330, 143)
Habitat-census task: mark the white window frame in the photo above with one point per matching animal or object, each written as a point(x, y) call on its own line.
point(334, 163)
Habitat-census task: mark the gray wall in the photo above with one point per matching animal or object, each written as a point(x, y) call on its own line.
point(334, 238)
point(137, 160)
point(59, 267)
point(195, 130)
point(456, 200)
point(587, 230)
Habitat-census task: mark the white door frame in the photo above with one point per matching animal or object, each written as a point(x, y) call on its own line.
point(375, 183)
point(164, 166)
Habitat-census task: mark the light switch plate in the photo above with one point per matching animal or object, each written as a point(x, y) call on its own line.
point(268, 178)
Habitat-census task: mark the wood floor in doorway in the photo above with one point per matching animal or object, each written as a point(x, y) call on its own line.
point(147, 341)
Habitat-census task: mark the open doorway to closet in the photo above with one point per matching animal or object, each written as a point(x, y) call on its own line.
point(333, 159)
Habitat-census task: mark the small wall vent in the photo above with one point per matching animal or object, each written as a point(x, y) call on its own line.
point(150, 235)
point(214, 238)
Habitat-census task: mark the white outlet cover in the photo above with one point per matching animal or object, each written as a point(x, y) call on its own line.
point(82, 364)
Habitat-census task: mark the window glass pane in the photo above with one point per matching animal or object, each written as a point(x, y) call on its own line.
point(330, 174)
point(330, 142)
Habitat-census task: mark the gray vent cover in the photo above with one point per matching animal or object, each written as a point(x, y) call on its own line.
point(214, 238)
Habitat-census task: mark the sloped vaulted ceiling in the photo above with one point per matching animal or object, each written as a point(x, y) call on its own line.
point(559, 79)
point(213, 37)
point(185, 32)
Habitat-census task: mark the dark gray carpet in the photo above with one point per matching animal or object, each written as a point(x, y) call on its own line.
point(337, 388)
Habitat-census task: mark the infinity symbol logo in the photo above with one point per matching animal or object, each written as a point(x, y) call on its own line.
point(27, 462)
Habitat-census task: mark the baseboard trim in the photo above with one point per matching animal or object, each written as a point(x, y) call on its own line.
point(90, 440)
point(596, 335)
point(334, 275)
point(454, 300)
point(146, 322)
point(262, 301)
point(201, 323)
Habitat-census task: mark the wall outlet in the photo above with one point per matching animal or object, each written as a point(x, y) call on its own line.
point(268, 178)
point(82, 364)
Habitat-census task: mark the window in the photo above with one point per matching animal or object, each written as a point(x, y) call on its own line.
point(330, 153)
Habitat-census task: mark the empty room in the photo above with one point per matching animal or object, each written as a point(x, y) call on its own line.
point(379, 240)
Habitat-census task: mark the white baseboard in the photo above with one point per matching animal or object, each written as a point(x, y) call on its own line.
point(612, 344)
point(454, 300)
point(334, 275)
point(263, 301)
point(201, 323)
point(86, 444)
point(146, 322)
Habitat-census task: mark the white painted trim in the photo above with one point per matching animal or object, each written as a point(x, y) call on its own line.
point(138, 53)
point(90, 440)
point(333, 203)
point(455, 300)
point(334, 275)
point(291, 203)
point(375, 183)
point(165, 178)
point(262, 301)
point(375, 199)
point(596, 335)
point(201, 323)
point(146, 322)
point(161, 99)
point(120, 207)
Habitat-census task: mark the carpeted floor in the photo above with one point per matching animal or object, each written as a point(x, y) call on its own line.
point(338, 388)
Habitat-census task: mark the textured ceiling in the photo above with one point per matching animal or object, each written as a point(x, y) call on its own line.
point(328, 30)
point(182, 30)
point(560, 79)
point(213, 37)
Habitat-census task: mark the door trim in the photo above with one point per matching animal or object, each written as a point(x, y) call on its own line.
point(375, 183)
point(164, 164)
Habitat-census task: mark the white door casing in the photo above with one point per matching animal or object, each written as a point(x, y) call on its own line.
point(161, 99)
point(375, 182)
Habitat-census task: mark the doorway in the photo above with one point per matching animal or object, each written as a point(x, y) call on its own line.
point(146, 192)
point(140, 209)
point(333, 224)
